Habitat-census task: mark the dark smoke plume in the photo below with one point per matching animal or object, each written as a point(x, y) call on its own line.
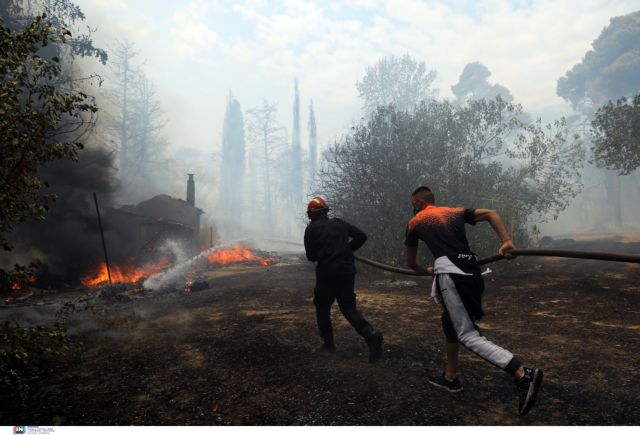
point(68, 242)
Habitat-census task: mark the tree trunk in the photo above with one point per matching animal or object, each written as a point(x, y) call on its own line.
point(267, 183)
point(614, 199)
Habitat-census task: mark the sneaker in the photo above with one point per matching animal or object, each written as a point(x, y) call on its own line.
point(451, 386)
point(374, 341)
point(528, 387)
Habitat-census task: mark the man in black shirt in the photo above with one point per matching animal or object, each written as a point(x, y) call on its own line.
point(327, 242)
point(458, 285)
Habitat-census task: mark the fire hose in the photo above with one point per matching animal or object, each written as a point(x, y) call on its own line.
point(528, 252)
point(588, 255)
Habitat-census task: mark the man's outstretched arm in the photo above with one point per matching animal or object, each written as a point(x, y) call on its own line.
point(496, 223)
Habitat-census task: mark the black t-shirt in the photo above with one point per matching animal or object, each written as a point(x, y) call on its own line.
point(442, 229)
point(327, 242)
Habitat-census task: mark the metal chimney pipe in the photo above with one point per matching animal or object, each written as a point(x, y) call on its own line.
point(191, 190)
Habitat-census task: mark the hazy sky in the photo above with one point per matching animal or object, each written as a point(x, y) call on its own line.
point(198, 50)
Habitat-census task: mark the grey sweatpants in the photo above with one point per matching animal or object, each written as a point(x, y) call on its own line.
point(466, 331)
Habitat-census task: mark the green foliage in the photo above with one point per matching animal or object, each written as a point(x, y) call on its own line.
point(616, 135)
point(611, 69)
point(481, 155)
point(61, 14)
point(402, 82)
point(42, 118)
point(22, 352)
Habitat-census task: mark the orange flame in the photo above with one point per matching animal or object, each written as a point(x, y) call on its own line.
point(236, 254)
point(123, 274)
point(18, 285)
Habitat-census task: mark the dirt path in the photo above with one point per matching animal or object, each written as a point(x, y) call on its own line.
point(242, 353)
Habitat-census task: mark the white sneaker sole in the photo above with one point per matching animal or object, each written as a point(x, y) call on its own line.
point(443, 387)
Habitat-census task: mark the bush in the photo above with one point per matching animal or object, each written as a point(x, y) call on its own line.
point(25, 352)
point(481, 155)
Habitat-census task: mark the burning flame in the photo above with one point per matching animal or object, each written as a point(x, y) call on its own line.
point(123, 274)
point(18, 285)
point(236, 254)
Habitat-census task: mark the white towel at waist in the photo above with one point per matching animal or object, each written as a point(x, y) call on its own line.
point(444, 265)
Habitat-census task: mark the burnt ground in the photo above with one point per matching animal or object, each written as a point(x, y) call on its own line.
point(242, 352)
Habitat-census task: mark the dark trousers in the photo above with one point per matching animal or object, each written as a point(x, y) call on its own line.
point(470, 290)
point(330, 288)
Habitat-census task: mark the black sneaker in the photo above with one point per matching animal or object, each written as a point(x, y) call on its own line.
point(374, 341)
point(441, 382)
point(528, 387)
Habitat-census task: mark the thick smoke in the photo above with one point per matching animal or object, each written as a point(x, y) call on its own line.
point(68, 242)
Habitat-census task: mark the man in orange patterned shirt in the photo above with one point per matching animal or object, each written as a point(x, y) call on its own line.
point(458, 286)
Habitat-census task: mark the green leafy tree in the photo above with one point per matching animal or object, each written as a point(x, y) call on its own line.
point(611, 69)
point(42, 119)
point(478, 155)
point(616, 135)
point(607, 72)
point(61, 14)
point(402, 82)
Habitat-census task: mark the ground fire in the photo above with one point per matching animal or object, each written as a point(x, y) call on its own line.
point(127, 273)
point(236, 254)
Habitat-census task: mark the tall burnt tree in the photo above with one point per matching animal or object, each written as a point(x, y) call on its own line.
point(147, 145)
point(125, 74)
point(266, 138)
point(230, 186)
point(135, 125)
